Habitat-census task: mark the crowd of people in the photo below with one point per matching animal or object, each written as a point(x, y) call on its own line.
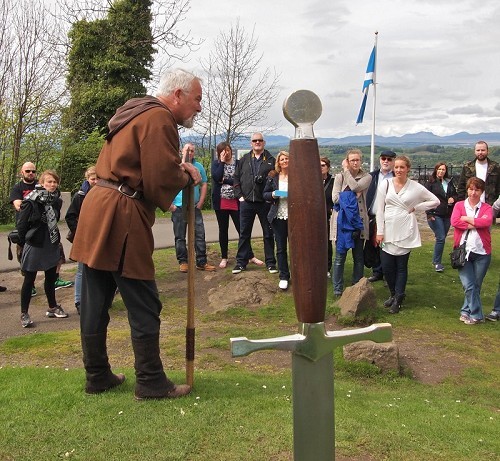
point(141, 168)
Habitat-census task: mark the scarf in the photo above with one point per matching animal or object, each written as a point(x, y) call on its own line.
point(46, 199)
point(227, 190)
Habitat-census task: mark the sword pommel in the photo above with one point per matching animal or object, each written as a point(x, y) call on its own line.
point(302, 108)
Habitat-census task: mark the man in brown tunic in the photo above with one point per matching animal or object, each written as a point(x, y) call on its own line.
point(139, 169)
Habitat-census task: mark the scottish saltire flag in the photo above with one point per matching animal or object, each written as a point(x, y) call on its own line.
point(370, 70)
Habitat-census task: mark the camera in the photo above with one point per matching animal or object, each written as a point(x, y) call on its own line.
point(258, 179)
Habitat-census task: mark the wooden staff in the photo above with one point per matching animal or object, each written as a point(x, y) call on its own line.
point(190, 328)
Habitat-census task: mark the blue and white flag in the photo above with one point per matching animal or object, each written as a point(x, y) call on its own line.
point(370, 71)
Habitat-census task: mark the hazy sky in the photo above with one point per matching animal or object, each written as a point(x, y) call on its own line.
point(437, 67)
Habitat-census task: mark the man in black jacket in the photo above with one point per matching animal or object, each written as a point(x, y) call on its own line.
point(249, 181)
point(483, 168)
point(384, 172)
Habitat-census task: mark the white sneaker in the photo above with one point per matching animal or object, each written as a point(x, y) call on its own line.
point(283, 285)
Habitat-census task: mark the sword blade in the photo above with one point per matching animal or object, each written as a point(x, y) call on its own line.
point(313, 410)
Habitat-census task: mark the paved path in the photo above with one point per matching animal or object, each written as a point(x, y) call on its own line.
point(162, 231)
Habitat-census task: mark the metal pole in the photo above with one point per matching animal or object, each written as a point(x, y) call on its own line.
point(190, 327)
point(372, 150)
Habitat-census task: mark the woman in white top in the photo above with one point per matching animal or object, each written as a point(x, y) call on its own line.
point(276, 192)
point(397, 229)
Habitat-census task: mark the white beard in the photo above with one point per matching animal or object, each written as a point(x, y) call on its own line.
point(188, 123)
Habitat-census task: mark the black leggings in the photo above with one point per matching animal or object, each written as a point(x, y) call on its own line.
point(49, 286)
point(223, 221)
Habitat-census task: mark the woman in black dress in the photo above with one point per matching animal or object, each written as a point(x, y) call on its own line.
point(39, 236)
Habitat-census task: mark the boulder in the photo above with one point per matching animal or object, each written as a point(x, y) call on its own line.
point(384, 355)
point(358, 298)
point(247, 289)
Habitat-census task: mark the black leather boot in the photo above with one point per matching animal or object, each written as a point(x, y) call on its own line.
point(98, 372)
point(397, 304)
point(151, 381)
point(388, 302)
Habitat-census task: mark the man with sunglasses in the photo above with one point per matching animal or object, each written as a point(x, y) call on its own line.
point(24, 187)
point(249, 181)
point(21, 190)
point(384, 172)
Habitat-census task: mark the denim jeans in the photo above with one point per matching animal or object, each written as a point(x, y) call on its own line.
point(280, 228)
point(395, 271)
point(496, 304)
point(471, 276)
point(78, 283)
point(357, 270)
point(180, 227)
point(440, 226)
point(248, 212)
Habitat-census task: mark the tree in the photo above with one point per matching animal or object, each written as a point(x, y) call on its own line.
point(111, 51)
point(109, 62)
point(236, 95)
point(30, 89)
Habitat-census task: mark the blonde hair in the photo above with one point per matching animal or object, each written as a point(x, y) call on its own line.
point(404, 159)
point(52, 173)
point(354, 152)
point(282, 153)
point(90, 171)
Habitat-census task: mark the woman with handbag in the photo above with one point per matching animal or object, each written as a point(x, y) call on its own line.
point(472, 220)
point(39, 237)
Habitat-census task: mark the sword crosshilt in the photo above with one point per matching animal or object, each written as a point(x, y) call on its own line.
point(312, 347)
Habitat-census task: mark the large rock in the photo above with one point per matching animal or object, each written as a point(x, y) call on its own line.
point(248, 289)
point(358, 298)
point(383, 355)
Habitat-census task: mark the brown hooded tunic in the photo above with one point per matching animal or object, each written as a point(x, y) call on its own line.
point(114, 231)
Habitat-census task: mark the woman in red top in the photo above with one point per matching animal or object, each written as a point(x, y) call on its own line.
point(472, 220)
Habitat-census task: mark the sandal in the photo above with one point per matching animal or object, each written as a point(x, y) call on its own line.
point(223, 263)
point(256, 261)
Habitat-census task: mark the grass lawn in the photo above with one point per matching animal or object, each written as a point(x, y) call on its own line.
point(239, 413)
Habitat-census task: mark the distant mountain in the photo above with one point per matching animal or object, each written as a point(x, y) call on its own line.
point(421, 138)
point(408, 140)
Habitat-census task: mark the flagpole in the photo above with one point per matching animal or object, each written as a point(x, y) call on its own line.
point(372, 150)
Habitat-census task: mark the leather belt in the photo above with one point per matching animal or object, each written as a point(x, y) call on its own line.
point(121, 187)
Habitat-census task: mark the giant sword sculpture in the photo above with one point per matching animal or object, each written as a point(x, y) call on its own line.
point(312, 347)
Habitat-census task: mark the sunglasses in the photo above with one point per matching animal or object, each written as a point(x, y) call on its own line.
point(389, 159)
point(257, 140)
point(30, 171)
point(323, 164)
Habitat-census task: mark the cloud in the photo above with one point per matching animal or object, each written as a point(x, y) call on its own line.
point(437, 61)
point(473, 109)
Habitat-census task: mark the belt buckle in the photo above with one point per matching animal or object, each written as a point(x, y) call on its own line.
point(120, 189)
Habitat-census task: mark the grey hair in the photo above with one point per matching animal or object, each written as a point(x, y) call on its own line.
point(174, 79)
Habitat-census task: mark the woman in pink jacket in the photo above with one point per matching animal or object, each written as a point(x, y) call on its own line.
point(472, 221)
